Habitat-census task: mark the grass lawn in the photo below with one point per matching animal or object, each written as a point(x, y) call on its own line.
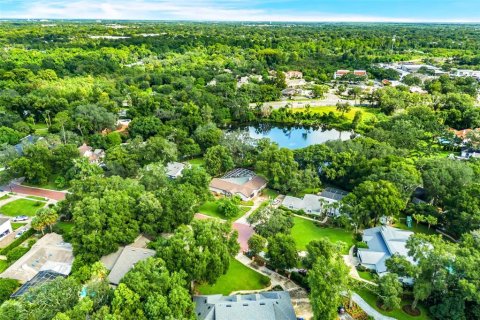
point(64, 226)
point(210, 208)
point(399, 314)
point(417, 228)
point(16, 225)
point(3, 265)
point(368, 113)
point(366, 275)
point(41, 129)
point(270, 193)
point(305, 231)
point(197, 162)
point(49, 185)
point(21, 207)
point(4, 197)
point(238, 277)
point(37, 198)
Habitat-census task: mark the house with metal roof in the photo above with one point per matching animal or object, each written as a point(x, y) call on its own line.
point(273, 305)
point(383, 242)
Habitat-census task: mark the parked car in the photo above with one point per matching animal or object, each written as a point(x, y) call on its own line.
point(19, 233)
point(20, 218)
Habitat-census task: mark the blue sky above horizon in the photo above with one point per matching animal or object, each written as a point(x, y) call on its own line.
point(248, 10)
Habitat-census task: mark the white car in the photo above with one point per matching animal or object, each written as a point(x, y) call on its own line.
point(19, 233)
point(20, 218)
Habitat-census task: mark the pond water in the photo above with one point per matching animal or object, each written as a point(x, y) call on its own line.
point(296, 137)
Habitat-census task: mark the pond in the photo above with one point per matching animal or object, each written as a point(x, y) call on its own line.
point(295, 137)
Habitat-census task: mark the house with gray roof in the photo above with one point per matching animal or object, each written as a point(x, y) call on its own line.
point(383, 242)
point(122, 261)
point(324, 203)
point(273, 305)
point(174, 169)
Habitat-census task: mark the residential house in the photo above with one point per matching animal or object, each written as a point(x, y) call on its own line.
point(324, 203)
point(28, 140)
point(360, 73)
point(272, 305)
point(94, 156)
point(39, 279)
point(123, 261)
point(330, 197)
point(50, 253)
point(174, 169)
point(468, 153)
point(383, 242)
point(340, 73)
point(5, 227)
point(241, 182)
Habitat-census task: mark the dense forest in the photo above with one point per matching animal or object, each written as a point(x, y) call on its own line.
point(69, 83)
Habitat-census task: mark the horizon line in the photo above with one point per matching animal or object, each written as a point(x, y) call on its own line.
point(251, 21)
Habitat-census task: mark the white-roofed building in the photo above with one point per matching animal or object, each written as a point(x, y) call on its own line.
point(174, 169)
point(324, 203)
point(383, 242)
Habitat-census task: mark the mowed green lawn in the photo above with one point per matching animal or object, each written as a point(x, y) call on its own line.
point(21, 207)
point(238, 277)
point(210, 208)
point(305, 231)
point(367, 113)
point(399, 314)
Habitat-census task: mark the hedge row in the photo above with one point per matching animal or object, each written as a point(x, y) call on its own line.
point(27, 234)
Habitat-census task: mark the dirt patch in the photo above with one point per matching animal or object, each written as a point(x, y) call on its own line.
point(381, 306)
point(413, 312)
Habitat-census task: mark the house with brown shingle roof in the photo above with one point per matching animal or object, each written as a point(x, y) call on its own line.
point(239, 182)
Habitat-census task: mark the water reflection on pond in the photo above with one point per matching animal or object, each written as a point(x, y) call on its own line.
point(295, 137)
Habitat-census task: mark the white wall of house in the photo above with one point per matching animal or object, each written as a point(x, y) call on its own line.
point(5, 229)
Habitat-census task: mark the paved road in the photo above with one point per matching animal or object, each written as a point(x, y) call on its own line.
point(31, 191)
point(331, 99)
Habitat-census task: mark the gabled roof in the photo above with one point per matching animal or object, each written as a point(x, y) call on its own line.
point(333, 194)
point(174, 169)
point(383, 242)
point(127, 259)
point(274, 305)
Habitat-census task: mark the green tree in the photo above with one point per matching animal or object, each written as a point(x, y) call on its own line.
point(256, 244)
point(343, 107)
point(203, 250)
point(218, 160)
point(327, 279)
point(370, 200)
point(7, 287)
point(282, 252)
point(162, 294)
point(390, 291)
point(228, 208)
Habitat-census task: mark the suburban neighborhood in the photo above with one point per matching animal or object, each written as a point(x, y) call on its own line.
point(226, 170)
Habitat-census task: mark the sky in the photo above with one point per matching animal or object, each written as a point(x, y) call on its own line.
point(248, 10)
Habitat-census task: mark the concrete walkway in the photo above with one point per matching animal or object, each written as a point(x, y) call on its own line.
point(298, 295)
point(351, 263)
point(369, 309)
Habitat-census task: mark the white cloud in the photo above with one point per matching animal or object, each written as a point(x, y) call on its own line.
point(209, 10)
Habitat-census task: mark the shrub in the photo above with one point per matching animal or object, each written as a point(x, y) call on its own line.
point(16, 253)
point(7, 287)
